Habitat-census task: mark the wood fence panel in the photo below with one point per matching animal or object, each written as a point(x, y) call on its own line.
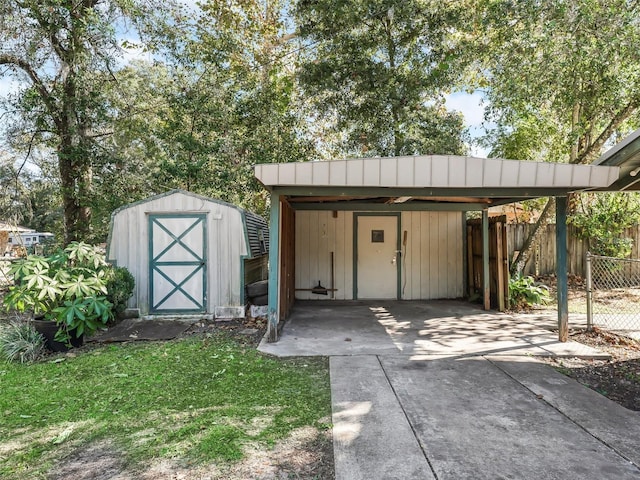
point(543, 259)
point(498, 274)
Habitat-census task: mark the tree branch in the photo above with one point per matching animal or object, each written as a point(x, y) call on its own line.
point(7, 59)
point(613, 125)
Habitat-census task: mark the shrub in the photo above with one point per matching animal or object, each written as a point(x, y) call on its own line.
point(120, 284)
point(67, 288)
point(524, 292)
point(602, 220)
point(19, 342)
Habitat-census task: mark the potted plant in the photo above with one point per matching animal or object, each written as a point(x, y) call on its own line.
point(66, 292)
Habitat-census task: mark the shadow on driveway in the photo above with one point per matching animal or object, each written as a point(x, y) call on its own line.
point(414, 328)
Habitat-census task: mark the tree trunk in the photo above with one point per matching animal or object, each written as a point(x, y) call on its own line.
point(75, 177)
point(518, 265)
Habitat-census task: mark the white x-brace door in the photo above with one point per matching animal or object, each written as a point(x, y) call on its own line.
point(177, 263)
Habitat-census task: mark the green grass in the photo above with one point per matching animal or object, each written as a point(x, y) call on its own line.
point(199, 400)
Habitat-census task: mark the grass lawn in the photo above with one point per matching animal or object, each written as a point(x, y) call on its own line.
point(197, 401)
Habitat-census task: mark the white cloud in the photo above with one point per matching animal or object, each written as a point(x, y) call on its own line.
point(9, 85)
point(472, 108)
point(469, 104)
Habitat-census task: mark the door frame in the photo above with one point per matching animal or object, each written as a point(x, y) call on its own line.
point(398, 248)
point(199, 218)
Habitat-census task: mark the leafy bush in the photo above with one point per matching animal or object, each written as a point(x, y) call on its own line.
point(68, 287)
point(120, 284)
point(602, 220)
point(525, 292)
point(19, 342)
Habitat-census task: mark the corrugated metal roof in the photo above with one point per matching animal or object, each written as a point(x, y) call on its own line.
point(256, 227)
point(257, 234)
point(626, 155)
point(436, 171)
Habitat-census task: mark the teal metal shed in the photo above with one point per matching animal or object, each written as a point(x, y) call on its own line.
point(189, 254)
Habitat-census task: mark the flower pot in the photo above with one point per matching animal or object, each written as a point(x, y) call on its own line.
point(48, 330)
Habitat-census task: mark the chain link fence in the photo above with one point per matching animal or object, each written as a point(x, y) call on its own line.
point(613, 293)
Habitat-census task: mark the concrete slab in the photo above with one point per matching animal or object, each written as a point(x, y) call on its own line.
point(612, 424)
point(417, 329)
point(475, 421)
point(371, 435)
point(132, 329)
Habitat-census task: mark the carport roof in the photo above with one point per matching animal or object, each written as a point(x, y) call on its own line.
point(626, 156)
point(427, 181)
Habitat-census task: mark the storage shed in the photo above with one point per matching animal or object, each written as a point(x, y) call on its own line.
point(189, 254)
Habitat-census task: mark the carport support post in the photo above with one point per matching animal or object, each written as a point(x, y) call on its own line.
point(486, 290)
point(561, 268)
point(274, 264)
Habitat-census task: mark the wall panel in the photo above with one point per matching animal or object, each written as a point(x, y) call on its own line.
point(433, 267)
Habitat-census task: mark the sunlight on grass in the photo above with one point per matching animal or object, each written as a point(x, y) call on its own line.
point(201, 399)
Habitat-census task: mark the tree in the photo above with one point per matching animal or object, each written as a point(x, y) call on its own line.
point(378, 70)
point(65, 53)
point(30, 198)
point(14, 206)
point(224, 101)
point(602, 220)
point(562, 78)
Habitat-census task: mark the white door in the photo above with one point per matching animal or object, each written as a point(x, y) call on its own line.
point(177, 263)
point(377, 257)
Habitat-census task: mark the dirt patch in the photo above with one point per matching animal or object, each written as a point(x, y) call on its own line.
point(618, 378)
point(100, 461)
point(306, 454)
point(248, 331)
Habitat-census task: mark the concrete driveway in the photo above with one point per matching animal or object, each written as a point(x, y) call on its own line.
point(445, 391)
point(416, 328)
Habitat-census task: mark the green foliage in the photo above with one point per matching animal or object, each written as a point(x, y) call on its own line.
point(196, 400)
point(63, 55)
point(223, 100)
point(525, 292)
point(19, 342)
point(378, 70)
point(602, 220)
point(562, 78)
point(68, 287)
point(120, 284)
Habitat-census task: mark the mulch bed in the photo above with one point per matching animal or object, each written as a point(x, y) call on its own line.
point(618, 379)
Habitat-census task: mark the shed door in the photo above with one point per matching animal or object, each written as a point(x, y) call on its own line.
point(178, 264)
point(377, 257)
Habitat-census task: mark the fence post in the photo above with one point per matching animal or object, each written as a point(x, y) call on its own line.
point(561, 268)
point(589, 294)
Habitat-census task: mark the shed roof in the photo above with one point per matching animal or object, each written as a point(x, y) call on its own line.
point(256, 227)
point(430, 178)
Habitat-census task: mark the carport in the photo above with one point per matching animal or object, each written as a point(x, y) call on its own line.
point(393, 228)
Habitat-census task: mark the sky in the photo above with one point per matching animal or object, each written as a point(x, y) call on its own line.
point(470, 105)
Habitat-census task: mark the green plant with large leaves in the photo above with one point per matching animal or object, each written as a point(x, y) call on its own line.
point(524, 292)
point(68, 287)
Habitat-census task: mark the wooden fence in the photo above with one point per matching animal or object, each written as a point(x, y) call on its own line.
point(543, 260)
point(498, 261)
